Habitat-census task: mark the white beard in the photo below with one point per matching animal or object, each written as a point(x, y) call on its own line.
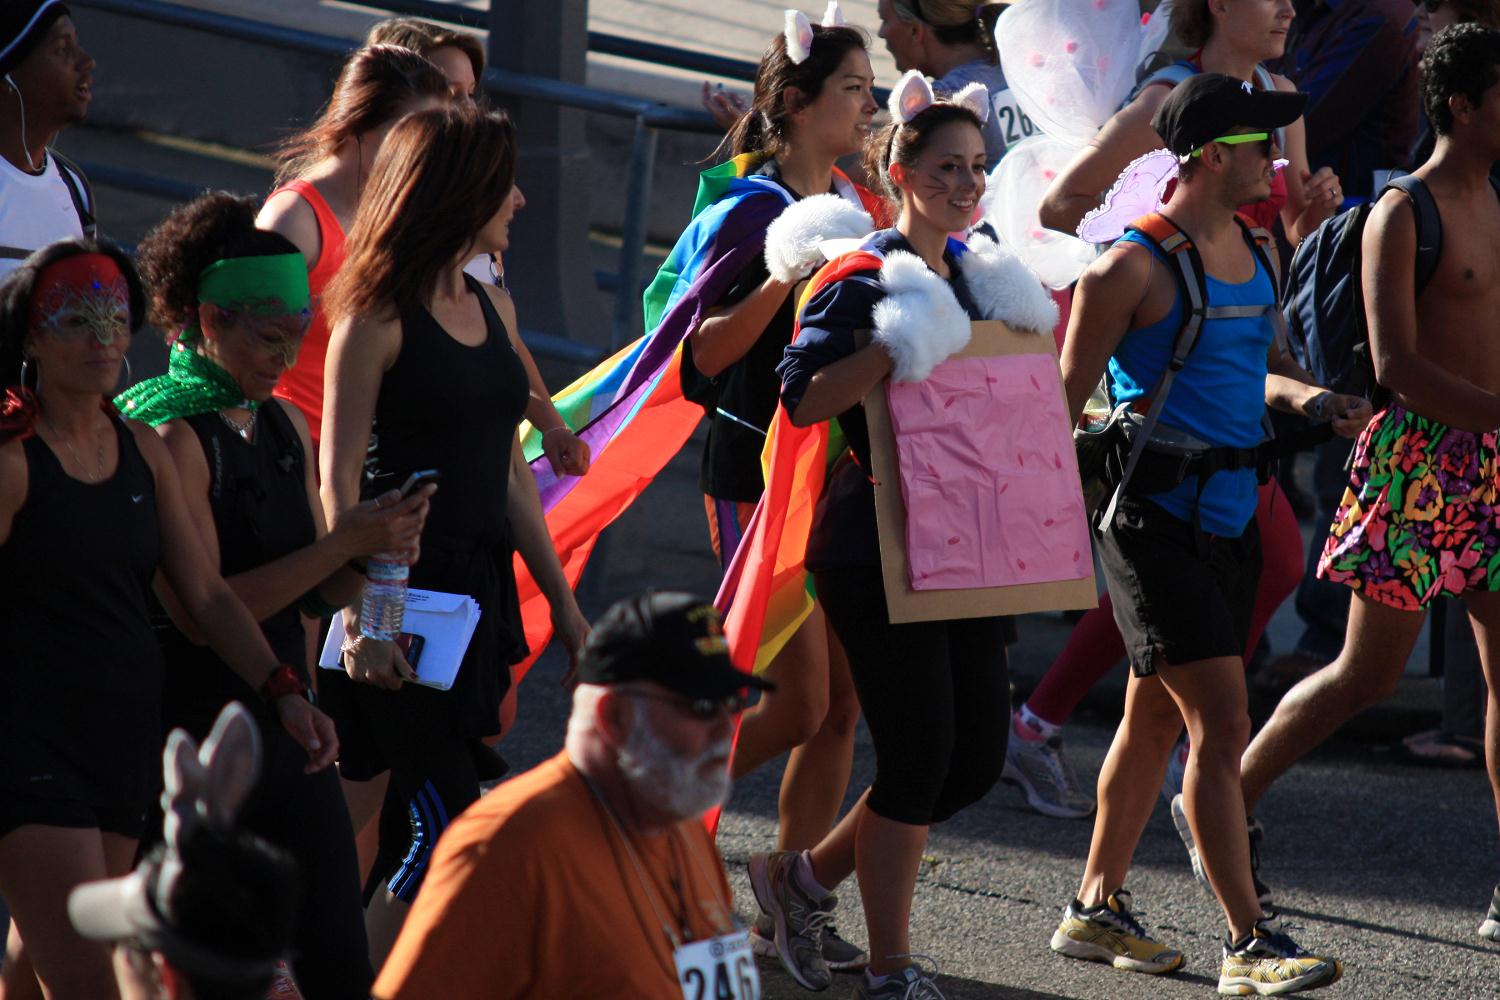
point(667, 781)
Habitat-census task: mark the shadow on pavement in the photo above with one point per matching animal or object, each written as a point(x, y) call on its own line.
point(1365, 925)
point(775, 984)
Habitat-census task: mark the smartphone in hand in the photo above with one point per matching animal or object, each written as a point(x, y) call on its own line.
point(419, 479)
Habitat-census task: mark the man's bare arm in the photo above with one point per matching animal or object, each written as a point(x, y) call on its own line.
point(1104, 304)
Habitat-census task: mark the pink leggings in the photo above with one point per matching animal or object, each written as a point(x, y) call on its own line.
point(1095, 646)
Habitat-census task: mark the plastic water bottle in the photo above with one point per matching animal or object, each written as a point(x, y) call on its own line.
point(384, 603)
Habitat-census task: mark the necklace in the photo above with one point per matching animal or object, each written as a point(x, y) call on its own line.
point(99, 472)
point(243, 430)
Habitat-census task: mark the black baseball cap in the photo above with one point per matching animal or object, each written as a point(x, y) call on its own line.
point(670, 637)
point(1208, 105)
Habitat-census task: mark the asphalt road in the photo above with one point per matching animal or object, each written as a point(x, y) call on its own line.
point(1386, 866)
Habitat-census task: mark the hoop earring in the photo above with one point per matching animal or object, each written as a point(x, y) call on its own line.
point(26, 364)
point(129, 378)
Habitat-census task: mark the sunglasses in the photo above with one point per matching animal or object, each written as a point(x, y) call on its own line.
point(1239, 140)
point(704, 709)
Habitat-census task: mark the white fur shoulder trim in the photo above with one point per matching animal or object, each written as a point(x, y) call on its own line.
point(793, 237)
point(1005, 289)
point(919, 322)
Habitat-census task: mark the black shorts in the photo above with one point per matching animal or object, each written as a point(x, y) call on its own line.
point(17, 811)
point(1171, 597)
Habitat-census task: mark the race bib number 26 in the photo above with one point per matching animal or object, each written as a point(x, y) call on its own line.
point(1013, 124)
point(721, 968)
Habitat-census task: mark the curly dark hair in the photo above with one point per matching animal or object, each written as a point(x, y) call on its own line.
point(903, 144)
point(211, 227)
point(763, 127)
point(1460, 59)
point(17, 289)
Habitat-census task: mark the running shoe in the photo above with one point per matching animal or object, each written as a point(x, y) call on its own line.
point(798, 920)
point(841, 955)
point(1490, 929)
point(1041, 771)
point(1267, 962)
point(1110, 933)
point(912, 983)
point(1171, 785)
point(1253, 829)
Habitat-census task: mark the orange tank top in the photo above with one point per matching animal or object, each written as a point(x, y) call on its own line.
point(302, 384)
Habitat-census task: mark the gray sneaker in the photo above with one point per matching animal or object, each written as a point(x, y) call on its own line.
point(1253, 830)
point(911, 983)
point(1041, 771)
point(798, 919)
point(841, 955)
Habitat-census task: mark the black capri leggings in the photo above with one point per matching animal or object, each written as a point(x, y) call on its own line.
point(936, 696)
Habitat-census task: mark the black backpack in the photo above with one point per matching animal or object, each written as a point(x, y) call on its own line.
point(1324, 308)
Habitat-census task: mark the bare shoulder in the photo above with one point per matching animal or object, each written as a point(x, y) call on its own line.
point(13, 477)
point(153, 449)
point(1144, 106)
point(289, 214)
point(377, 334)
point(1391, 218)
point(503, 304)
point(1126, 264)
point(1282, 83)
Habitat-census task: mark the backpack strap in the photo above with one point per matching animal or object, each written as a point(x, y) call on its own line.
point(79, 190)
point(1263, 246)
point(1429, 225)
point(1171, 242)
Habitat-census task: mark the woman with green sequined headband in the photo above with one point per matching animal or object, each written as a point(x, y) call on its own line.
point(239, 297)
point(91, 512)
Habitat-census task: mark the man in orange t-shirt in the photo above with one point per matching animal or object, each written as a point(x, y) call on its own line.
point(590, 875)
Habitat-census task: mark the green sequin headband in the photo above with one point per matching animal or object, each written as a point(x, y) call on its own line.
point(271, 285)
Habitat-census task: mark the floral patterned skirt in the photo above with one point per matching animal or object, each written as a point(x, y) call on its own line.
point(1419, 519)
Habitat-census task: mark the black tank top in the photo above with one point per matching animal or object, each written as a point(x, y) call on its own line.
point(258, 495)
point(454, 408)
point(80, 682)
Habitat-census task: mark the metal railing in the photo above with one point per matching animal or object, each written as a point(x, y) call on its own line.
point(605, 44)
point(649, 117)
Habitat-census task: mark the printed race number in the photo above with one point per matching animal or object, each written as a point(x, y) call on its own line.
point(721, 968)
point(1013, 124)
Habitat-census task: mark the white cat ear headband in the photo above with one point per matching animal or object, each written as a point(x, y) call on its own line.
point(799, 32)
point(913, 95)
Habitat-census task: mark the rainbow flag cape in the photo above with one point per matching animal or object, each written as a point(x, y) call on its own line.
point(630, 410)
point(767, 593)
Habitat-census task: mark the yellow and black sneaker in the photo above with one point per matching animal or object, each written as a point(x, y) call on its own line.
point(1267, 962)
point(1110, 933)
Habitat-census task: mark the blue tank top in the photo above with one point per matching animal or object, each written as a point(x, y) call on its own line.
point(1218, 397)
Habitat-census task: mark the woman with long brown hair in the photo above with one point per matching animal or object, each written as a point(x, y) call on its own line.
point(460, 56)
point(421, 375)
point(321, 174)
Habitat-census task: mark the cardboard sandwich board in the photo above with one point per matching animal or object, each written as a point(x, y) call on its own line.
point(990, 339)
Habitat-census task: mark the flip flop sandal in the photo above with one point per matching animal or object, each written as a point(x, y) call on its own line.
point(1441, 750)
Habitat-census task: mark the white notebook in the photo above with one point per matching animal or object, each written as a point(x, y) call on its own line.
point(446, 623)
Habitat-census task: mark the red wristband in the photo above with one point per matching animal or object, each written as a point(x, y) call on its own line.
point(283, 681)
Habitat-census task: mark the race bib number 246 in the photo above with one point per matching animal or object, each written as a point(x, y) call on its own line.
point(721, 968)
